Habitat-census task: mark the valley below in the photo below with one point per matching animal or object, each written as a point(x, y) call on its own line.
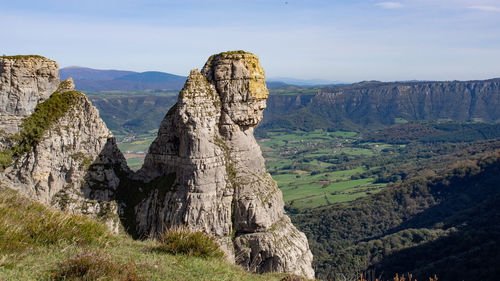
point(366, 189)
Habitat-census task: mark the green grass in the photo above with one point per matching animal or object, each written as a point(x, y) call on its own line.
point(136, 146)
point(309, 190)
point(39, 243)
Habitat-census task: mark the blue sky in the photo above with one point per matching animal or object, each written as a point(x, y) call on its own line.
point(334, 40)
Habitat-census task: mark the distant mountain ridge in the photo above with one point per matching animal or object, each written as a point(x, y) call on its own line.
point(374, 104)
point(304, 82)
point(97, 80)
point(85, 73)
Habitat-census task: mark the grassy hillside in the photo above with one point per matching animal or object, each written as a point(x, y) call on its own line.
point(39, 243)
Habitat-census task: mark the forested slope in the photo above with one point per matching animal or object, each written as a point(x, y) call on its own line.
point(446, 225)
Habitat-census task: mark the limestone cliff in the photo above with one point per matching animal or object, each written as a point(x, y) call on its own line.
point(206, 171)
point(62, 153)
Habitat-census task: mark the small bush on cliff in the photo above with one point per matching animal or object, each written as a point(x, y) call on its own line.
point(95, 265)
point(183, 241)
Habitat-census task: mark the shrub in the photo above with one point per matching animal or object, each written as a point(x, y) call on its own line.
point(183, 241)
point(95, 266)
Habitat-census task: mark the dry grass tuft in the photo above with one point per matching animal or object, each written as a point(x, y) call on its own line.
point(95, 266)
point(181, 240)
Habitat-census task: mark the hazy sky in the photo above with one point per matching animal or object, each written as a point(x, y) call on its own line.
point(335, 40)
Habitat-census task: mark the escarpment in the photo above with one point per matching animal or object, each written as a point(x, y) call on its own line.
point(61, 153)
point(205, 171)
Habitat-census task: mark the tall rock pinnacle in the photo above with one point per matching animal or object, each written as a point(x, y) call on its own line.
point(205, 171)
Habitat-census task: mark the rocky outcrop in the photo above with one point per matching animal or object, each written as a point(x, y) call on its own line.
point(24, 82)
point(205, 171)
point(63, 154)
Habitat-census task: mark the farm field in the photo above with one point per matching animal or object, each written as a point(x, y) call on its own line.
point(310, 167)
point(134, 148)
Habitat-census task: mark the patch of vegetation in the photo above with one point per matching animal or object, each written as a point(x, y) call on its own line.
point(431, 132)
point(95, 265)
point(22, 57)
point(25, 224)
point(236, 52)
point(194, 243)
point(85, 162)
point(36, 125)
point(5, 159)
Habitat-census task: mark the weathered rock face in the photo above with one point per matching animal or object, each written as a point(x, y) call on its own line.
point(74, 165)
point(24, 82)
point(206, 171)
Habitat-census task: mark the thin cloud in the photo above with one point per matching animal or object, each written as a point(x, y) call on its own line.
point(389, 5)
point(485, 8)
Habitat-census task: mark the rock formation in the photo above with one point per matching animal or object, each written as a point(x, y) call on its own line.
point(69, 161)
point(205, 171)
point(24, 82)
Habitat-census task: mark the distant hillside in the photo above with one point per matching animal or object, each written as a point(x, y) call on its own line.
point(375, 104)
point(152, 77)
point(134, 113)
point(96, 80)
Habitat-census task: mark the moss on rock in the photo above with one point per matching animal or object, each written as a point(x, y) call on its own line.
point(36, 125)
